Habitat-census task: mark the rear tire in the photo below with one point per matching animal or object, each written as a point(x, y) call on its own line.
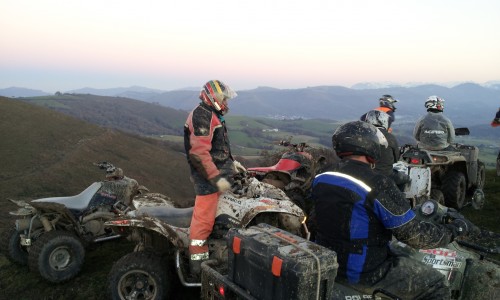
point(454, 188)
point(57, 255)
point(139, 275)
point(10, 245)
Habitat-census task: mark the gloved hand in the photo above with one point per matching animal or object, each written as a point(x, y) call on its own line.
point(238, 167)
point(222, 184)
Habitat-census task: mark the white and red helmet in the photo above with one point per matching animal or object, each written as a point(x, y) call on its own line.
point(434, 103)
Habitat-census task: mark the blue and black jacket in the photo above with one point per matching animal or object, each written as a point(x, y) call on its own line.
point(357, 213)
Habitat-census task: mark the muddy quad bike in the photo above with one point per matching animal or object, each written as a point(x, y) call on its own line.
point(50, 234)
point(293, 173)
point(162, 237)
point(454, 174)
point(251, 271)
point(465, 263)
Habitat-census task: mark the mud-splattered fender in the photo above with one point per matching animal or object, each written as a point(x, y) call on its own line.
point(179, 237)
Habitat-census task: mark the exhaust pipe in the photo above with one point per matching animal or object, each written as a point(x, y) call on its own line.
point(179, 272)
point(107, 238)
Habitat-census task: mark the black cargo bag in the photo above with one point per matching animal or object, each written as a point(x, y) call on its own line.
point(273, 264)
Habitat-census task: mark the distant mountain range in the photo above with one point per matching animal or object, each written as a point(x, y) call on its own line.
point(467, 104)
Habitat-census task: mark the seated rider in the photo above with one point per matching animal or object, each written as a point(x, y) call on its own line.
point(388, 154)
point(358, 211)
point(434, 131)
point(387, 105)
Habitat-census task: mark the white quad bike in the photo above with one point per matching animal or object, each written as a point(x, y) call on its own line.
point(162, 237)
point(51, 234)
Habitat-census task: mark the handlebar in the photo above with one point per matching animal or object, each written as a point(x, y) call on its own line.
point(298, 147)
point(109, 167)
point(477, 239)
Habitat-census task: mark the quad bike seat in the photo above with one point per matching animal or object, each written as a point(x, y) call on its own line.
point(178, 217)
point(78, 202)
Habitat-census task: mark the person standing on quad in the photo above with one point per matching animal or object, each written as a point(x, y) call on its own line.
point(358, 211)
point(434, 131)
point(386, 103)
point(209, 156)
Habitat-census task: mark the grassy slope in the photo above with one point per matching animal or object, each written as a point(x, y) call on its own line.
point(45, 153)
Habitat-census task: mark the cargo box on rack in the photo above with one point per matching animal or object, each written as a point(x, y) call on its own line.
point(270, 263)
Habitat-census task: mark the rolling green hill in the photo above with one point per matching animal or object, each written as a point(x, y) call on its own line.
point(116, 112)
point(249, 135)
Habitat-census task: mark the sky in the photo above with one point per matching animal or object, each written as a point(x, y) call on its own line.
point(61, 45)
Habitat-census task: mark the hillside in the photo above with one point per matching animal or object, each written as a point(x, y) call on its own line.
point(125, 114)
point(249, 135)
point(46, 153)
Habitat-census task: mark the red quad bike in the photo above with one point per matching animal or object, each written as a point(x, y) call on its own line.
point(51, 234)
point(293, 173)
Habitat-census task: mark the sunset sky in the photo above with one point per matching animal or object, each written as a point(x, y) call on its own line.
point(68, 44)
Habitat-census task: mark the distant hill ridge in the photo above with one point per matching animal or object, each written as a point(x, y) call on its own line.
point(467, 103)
point(125, 114)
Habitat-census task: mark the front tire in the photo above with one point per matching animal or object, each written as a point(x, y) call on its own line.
point(139, 275)
point(454, 188)
point(481, 176)
point(10, 245)
point(57, 255)
point(437, 196)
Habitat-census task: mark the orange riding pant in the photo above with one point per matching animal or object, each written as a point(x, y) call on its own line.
point(202, 223)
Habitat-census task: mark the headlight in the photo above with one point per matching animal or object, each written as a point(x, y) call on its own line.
point(439, 159)
point(428, 208)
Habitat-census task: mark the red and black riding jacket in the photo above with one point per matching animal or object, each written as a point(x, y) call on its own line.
point(206, 142)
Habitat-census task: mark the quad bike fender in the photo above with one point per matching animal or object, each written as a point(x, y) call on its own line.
point(284, 164)
point(179, 237)
point(51, 207)
point(266, 205)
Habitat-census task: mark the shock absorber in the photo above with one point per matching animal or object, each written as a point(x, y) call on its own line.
point(46, 223)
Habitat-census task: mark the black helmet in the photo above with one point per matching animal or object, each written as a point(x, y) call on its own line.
point(358, 138)
point(388, 101)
